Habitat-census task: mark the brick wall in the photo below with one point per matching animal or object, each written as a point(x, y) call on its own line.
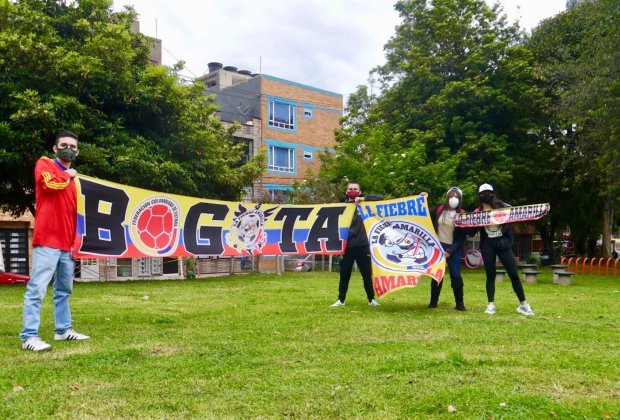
point(316, 132)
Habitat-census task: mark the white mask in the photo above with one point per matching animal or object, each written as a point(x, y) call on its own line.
point(453, 202)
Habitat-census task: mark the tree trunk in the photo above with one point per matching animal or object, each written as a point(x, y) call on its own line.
point(547, 239)
point(607, 217)
point(546, 231)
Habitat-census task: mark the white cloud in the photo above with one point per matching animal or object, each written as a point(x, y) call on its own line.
point(329, 44)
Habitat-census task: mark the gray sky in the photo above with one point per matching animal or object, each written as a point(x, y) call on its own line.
point(329, 44)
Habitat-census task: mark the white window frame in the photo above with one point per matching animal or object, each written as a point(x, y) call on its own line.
point(291, 160)
point(272, 122)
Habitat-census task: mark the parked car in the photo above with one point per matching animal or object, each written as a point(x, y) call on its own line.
point(12, 278)
point(299, 263)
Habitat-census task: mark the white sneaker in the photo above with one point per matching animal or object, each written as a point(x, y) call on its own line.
point(70, 335)
point(374, 303)
point(337, 304)
point(525, 310)
point(35, 344)
point(490, 309)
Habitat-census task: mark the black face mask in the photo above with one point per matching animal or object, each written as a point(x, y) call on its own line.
point(486, 199)
point(67, 154)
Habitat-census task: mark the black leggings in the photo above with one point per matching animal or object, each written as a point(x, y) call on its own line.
point(501, 248)
point(361, 255)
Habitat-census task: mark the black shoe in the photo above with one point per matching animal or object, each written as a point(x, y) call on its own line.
point(432, 305)
point(460, 307)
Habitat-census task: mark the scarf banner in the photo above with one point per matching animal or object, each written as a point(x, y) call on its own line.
point(501, 216)
point(115, 220)
point(403, 244)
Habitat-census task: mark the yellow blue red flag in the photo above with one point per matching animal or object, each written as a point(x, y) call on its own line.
point(403, 243)
point(116, 220)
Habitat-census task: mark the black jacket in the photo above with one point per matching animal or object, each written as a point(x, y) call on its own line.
point(357, 232)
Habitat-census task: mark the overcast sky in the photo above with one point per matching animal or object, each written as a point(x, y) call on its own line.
point(329, 44)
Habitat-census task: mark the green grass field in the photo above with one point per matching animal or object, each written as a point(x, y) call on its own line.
point(270, 346)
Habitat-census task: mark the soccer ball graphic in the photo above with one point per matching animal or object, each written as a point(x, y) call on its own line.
point(155, 227)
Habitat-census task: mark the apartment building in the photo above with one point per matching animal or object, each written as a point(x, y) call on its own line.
point(290, 121)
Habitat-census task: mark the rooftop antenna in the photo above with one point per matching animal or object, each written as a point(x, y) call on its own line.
point(156, 29)
point(260, 64)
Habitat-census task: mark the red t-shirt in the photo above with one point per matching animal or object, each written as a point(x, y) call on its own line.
point(55, 219)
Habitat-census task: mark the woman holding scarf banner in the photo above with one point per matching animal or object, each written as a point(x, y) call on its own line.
point(358, 249)
point(451, 239)
point(496, 241)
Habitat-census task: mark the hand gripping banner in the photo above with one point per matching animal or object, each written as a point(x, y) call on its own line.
point(115, 220)
point(501, 216)
point(403, 244)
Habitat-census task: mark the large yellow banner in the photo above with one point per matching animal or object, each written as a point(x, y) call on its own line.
point(116, 220)
point(403, 244)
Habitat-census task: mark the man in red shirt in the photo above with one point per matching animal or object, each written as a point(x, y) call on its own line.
point(54, 233)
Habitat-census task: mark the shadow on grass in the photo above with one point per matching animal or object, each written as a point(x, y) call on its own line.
point(402, 307)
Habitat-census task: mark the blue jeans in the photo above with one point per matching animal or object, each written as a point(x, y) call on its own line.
point(48, 264)
point(454, 267)
point(453, 263)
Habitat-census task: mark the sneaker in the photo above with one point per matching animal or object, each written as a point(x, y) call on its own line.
point(337, 304)
point(70, 335)
point(432, 305)
point(525, 310)
point(460, 307)
point(35, 344)
point(374, 303)
point(490, 309)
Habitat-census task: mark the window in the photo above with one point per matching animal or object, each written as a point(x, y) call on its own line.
point(150, 266)
point(307, 113)
point(247, 148)
point(170, 265)
point(281, 115)
point(279, 196)
point(14, 247)
point(124, 267)
point(281, 159)
point(88, 268)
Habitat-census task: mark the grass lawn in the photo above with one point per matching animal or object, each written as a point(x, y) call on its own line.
point(270, 346)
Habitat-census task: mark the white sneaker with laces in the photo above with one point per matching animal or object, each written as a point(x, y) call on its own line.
point(35, 344)
point(374, 303)
point(337, 304)
point(525, 310)
point(70, 335)
point(490, 309)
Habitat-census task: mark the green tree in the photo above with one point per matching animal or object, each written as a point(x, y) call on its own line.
point(457, 106)
point(76, 65)
point(314, 190)
point(578, 60)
